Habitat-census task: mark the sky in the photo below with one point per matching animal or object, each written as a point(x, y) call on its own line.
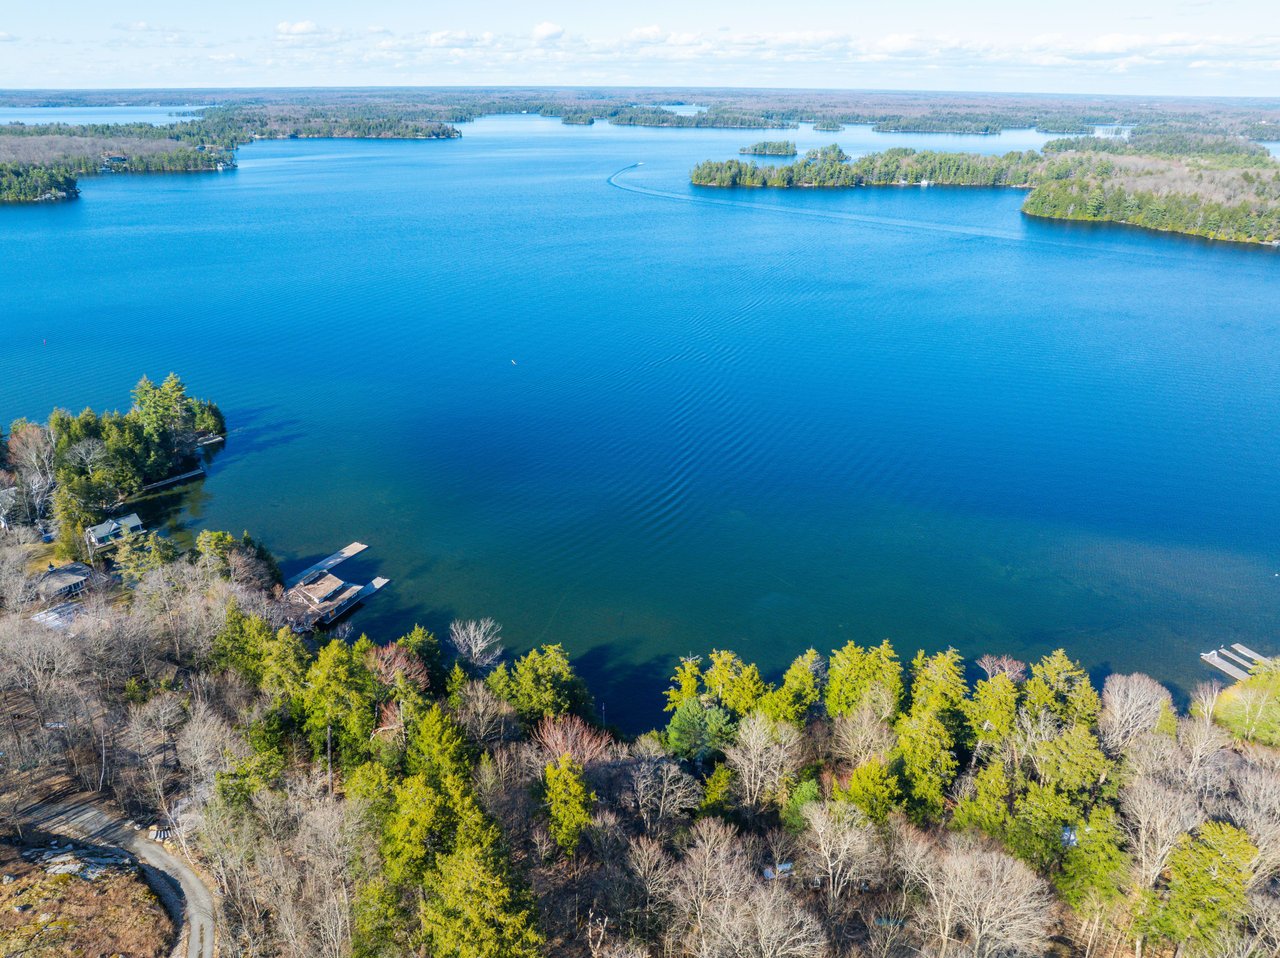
point(1196, 47)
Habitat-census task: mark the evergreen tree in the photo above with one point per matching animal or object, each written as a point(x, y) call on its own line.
point(856, 673)
point(568, 803)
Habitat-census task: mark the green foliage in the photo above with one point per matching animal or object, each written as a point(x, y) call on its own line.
point(437, 746)
point(426, 647)
point(937, 684)
point(1250, 709)
point(378, 921)
point(857, 675)
point(1035, 833)
point(873, 790)
point(986, 808)
point(800, 690)
point(137, 555)
point(738, 687)
point(792, 811)
point(237, 785)
point(928, 762)
point(284, 667)
point(993, 710)
point(684, 683)
point(1071, 762)
point(568, 803)
point(540, 685)
point(241, 644)
point(473, 911)
point(1206, 895)
point(717, 792)
point(770, 148)
point(1095, 869)
point(1061, 688)
point(696, 732)
point(338, 698)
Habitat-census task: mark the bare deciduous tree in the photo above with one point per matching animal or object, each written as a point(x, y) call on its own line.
point(840, 849)
point(977, 898)
point(995, 665)
point(483, 716)
point(1131, 706)
point(662, 794)
point(767, 923)
point(764, 757)
point(861, 736)
point(1155, 817)
point(570, 735)
point(477, 640)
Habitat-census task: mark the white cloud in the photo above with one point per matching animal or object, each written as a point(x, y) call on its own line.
point(546, 31)
point(7, 37)
point(301, 28)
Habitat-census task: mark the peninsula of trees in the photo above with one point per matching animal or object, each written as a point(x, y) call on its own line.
point(77, 469)
point(770, 148)
point(1213, 186)
point(42, 162)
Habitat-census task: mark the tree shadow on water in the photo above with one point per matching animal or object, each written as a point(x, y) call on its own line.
point(628, 695)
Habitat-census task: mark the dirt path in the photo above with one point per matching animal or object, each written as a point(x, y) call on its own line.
point(87, 818)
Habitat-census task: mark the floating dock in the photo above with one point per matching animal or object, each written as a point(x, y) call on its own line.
point(317, 597)
point(1237, 661)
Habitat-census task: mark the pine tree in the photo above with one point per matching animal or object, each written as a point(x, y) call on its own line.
point(568, 803)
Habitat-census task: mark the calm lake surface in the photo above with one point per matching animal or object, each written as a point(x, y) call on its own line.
point(644, 419)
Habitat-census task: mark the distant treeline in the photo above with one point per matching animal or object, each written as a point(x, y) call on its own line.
point(720, 118)
point(1218, 187)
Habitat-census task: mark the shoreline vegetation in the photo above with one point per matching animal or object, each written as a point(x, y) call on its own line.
point(1217, 187)
point(44, 162)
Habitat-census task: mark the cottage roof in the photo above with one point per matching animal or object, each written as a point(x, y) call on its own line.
point(115, 527)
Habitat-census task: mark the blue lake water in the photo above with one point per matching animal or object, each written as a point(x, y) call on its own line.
point(612, 410)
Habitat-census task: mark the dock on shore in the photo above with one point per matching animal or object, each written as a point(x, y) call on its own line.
point(324, 565)
point(1237, 661)
point(317, 597)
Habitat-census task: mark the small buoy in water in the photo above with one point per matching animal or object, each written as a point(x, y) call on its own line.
point(513, 362)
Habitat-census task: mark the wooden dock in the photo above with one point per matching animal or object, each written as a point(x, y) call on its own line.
point(1237, 661)
point(174, 480)
point(324, 565)
point(316, 597)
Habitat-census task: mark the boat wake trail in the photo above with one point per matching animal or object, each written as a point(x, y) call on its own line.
point(888, 222)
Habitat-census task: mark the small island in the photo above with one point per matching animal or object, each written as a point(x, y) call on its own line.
point(827, 126)
point(770, 148)
point(1218, 187)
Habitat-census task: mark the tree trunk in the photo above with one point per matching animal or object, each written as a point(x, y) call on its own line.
point(328, 734)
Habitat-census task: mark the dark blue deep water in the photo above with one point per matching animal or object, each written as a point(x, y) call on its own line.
point(643, 419)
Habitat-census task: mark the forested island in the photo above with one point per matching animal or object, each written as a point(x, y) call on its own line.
point(770, 148)
point(1218, 187)
point(418, 796)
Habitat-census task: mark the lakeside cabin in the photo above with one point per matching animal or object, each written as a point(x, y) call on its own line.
point(106, 534)
point(316, 597)
point(66, 582)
